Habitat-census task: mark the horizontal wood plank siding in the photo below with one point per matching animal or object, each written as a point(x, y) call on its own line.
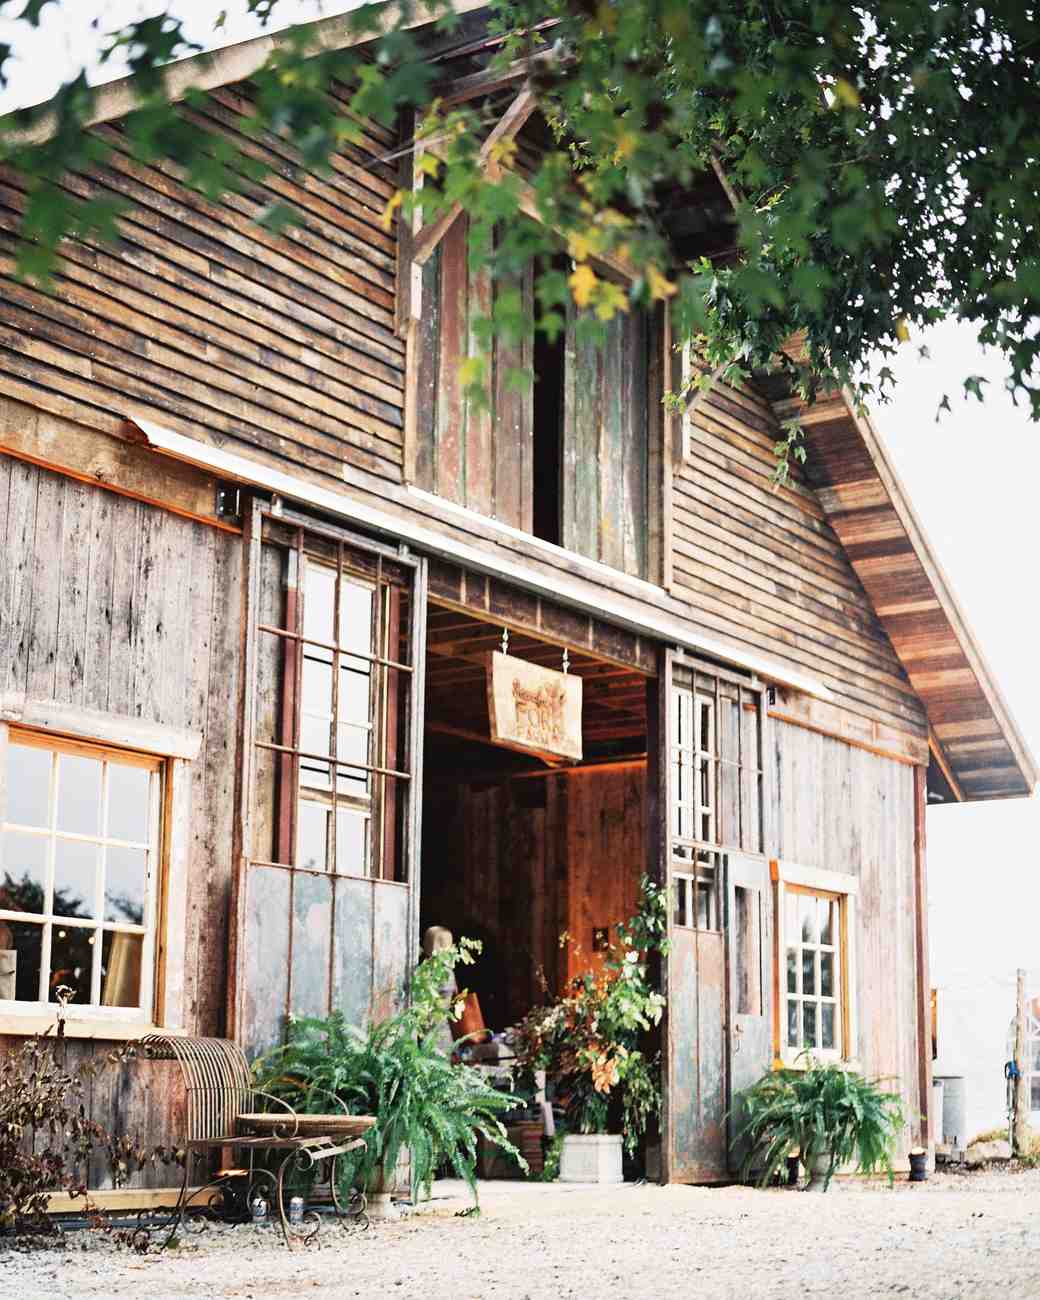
point(283, 344)
point(764, 566)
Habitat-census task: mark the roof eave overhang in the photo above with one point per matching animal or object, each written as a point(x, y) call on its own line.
point(972, 727)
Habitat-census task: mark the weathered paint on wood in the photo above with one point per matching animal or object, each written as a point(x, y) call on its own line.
point(843, 809)
point(697, 997)
point(113, 605)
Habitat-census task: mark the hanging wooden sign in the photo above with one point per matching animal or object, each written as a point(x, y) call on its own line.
point(533, 708)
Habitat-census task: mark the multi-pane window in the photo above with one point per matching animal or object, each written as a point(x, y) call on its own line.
point(816, 962)
point(813, 944)
point(333, 685)
point(1031, 1065)
point(79, 869)
point(715, 781)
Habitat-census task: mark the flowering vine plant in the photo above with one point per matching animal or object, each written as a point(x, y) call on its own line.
point(591, 1040)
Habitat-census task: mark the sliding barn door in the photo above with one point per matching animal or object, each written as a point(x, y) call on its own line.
point(750, 934)
point(712, 847)
point(694, 1140)
point(327, 897)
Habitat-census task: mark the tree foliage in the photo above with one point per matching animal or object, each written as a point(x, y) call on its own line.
point(882, 159)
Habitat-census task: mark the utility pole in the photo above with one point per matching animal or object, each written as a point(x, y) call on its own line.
point(1020, 1126)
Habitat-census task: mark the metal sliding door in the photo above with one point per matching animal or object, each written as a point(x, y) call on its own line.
point(326, 905)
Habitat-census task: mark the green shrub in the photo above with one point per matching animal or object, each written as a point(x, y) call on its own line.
point(822, 1110)
point(396, 1071)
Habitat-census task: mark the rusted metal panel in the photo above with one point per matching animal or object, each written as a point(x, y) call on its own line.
point(312, 943)
point(391, 955)
point(265, 952)
point(352, 948)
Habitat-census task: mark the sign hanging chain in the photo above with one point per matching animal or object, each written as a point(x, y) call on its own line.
point(566, 661)
point(505, 640)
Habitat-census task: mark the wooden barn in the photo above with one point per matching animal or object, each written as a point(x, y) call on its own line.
point(258, 558)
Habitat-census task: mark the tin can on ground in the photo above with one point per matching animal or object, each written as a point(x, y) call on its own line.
point(296, 1210)
point(258, 1210)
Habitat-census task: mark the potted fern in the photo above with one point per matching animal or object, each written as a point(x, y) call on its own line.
point(832, 1116)
point(429, 1112)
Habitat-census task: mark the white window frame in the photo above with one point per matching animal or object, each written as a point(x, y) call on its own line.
point(844, 889)
point(173, 750)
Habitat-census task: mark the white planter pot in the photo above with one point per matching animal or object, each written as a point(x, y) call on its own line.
point(591, 1158)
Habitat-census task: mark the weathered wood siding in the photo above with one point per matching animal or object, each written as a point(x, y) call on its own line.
point(765, 568)
point(202, 320)
point(839, 808)
point(109, 604)
point(517, 862)
point(479, 457)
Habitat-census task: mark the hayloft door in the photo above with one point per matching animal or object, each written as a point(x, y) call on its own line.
point(327, 896)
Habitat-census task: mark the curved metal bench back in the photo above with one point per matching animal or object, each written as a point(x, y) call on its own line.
point(217, 1081)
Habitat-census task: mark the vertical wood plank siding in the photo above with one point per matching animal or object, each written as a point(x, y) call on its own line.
point(764, 567)
point(478, 458)
point(109, 604)
point(283, 344)
point(842, 809)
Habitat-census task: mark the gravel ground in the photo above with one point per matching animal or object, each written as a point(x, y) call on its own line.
point(963, 1236)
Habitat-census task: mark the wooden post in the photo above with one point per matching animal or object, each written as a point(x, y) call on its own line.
point(1020, 1126)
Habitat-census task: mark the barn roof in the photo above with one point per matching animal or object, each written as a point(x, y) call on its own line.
point(977, 749)
point(974, 740)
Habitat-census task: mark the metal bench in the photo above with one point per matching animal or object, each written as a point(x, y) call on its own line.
point(226, 1111)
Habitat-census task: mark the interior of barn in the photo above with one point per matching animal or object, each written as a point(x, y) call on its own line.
point(519, 849)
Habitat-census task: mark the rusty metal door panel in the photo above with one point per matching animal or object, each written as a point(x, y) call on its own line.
point(317, 931)
point(392, 958)
point(697, 1099)
point(311, 948)
point(352, 966)
point(266, 965)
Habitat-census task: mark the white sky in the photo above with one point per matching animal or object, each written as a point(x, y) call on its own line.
point(973, 479)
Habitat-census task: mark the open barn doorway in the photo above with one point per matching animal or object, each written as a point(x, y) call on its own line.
point(517, 849)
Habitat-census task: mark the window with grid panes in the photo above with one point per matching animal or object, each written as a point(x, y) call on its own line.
point(333, 690)
point(79, 874)
point(813, 970)
point(716, 788)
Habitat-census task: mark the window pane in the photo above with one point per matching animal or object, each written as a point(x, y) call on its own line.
point(351, 837)
point(128, 803)
point(792, 1022)
point(1034, 1091)
point(28, 785)
point(24, 875)
point(791, 917)
point(312, 835)
point(126, 871)
point(72, 956)
point(827, 974)
point(827, 921)
point(319, 603)
point(315, 738)
point(121, 969)
point(355, 616)
point(353, 691)
point(809, 1023)
point(792, 970)
point(75, 878)
point(827, 1027)
point(807, 911)
point(809, 971)
point(1035, 1053)
point(317, 686)
point(79, 794)
point(20, 945)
